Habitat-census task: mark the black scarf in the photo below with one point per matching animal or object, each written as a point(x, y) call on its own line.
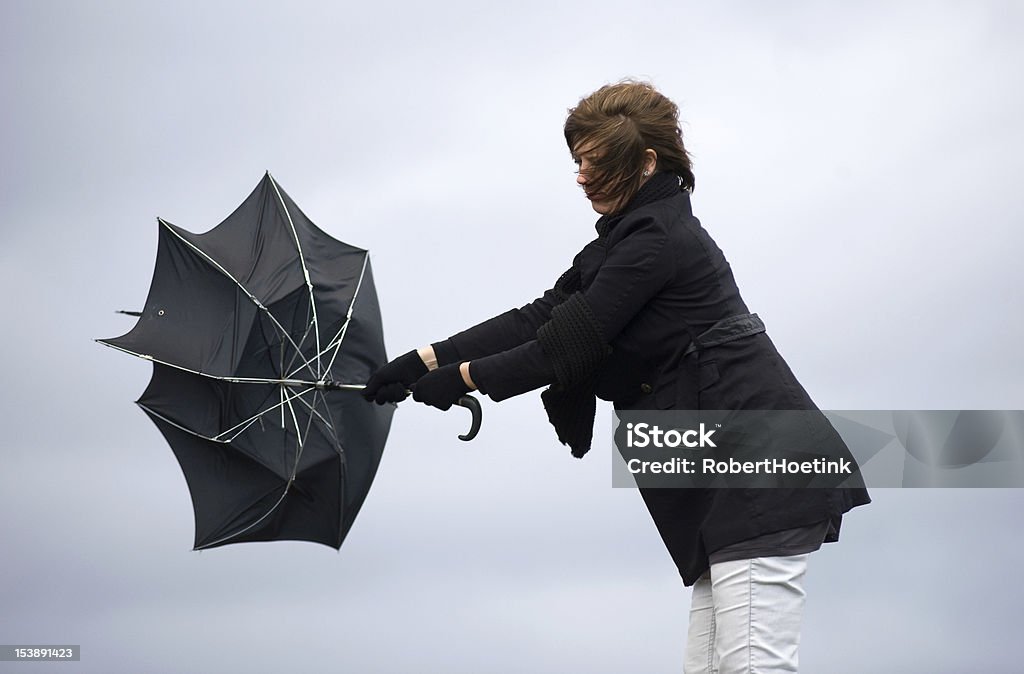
point(660, 186)
point(573, 342)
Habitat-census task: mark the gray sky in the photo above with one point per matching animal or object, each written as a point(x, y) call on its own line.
point(874, 147)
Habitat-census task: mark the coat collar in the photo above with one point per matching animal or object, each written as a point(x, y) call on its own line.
point(661, 185)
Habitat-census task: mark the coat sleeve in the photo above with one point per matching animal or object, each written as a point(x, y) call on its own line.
point(498, 334)
point(637, 266)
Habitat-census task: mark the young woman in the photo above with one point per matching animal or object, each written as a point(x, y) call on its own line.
point(649, 317)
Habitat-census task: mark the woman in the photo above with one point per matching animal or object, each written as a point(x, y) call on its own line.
point(649, 317)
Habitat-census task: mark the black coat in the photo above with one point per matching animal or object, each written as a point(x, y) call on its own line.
point(653, 279)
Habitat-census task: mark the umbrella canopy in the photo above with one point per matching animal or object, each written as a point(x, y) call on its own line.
point(253, 329)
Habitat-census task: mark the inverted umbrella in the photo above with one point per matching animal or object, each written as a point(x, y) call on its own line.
point(259, 331)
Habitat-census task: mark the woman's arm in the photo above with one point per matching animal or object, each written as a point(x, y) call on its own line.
point(635, 269)
point(496, 335)
point(501, 333)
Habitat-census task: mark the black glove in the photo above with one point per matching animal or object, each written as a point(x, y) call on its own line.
point(389, 384)
point(441, 388)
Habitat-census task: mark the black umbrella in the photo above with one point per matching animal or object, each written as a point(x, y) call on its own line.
point(260, 331)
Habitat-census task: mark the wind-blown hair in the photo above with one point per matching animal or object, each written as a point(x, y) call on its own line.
point(618, 122)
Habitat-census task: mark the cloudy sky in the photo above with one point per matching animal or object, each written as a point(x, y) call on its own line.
point(872, 147)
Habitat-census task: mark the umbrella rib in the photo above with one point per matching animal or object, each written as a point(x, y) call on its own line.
point(305, 272)
point(243, 380)
point(179, 426)
point(297, 354)
point(252, 297)
point(321, 353)
point(309, 426)
point(312, 408)
point(330, 425)
point(217, 438)
point(200, 435)
point(301, 440)
point(348, 316)
point(254, 418)
point(233, 380)
point(252, 524)
point(335, 342)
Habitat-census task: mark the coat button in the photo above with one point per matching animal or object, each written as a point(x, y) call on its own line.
point(646, 388)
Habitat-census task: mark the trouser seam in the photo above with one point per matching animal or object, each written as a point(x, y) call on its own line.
point(711, 639)
point(750, 615)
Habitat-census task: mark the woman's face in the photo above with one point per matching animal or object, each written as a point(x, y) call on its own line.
point(584, 157)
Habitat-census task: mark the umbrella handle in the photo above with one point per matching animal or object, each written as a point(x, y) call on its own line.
point(467, 401)
point(473, 405)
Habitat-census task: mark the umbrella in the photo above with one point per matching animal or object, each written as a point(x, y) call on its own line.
point(259, 332)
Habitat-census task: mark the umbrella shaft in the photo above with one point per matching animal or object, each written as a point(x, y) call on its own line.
point(322, 385)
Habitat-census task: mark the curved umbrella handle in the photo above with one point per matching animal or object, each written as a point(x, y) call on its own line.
point(473, 405)
point(467, 401)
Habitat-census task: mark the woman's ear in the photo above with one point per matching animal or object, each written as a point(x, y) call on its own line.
point(650, 161)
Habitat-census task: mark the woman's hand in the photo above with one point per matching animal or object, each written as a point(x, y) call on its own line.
point(442, 387)
point(391, 382)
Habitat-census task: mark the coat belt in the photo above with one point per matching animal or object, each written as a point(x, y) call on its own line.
point(726, 330)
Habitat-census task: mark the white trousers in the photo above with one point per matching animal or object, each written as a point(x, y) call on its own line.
point(745, 617)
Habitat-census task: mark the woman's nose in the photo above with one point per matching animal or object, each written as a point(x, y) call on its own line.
point(581, 179)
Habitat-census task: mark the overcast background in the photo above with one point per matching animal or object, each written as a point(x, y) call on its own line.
point(874, 148)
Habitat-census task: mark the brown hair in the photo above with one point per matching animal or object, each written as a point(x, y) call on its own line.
point(620, 121)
